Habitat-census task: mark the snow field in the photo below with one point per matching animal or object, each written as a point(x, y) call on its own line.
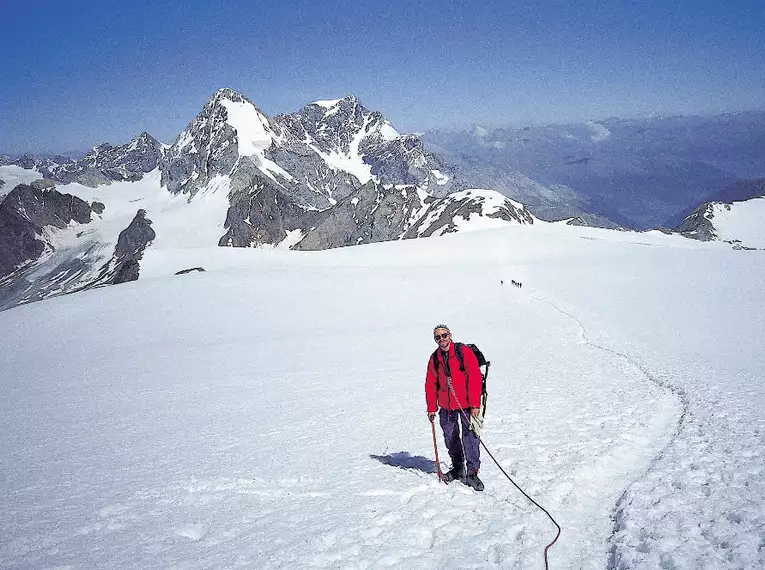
point(301, 468)
point(740, 221)
point(690, 318)
point(271, 414)
point(14, 175)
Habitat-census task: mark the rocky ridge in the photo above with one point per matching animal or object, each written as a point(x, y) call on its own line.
point(104, 164)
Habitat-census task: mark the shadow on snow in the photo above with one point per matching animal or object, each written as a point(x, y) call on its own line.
point(404, 460)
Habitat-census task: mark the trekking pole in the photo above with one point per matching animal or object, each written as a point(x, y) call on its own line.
point(435, 447)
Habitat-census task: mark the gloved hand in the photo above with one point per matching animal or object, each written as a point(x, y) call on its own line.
point(476, 424)
point(431, 416)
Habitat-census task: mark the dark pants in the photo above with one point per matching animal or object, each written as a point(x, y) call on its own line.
point(450, 422)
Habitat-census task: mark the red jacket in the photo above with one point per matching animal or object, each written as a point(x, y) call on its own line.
point(467, 385)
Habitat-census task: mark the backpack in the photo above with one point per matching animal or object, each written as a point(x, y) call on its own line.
point(460, 357)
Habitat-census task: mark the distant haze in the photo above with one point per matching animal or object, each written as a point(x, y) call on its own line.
point(78, 73)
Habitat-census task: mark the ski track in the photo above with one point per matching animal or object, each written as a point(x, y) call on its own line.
point(698, 505)
point(618, 514)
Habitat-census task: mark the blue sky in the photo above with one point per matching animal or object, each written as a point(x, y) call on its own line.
point(76, 73)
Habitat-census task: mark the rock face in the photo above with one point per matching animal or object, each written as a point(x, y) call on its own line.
point(698, 224)
point(131, 244)
point(25, 213)
point(105, 163)
point(48, 246)
point(24, 161)
point(373, 213)
point(207, 147)
point(344, 131)
point(455, 211)
point(378, 213)
point(262, 213)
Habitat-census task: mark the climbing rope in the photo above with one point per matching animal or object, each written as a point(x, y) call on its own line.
point(540, 507)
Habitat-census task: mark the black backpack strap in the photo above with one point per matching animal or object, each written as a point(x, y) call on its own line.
point(458, 349)
point(434, 358)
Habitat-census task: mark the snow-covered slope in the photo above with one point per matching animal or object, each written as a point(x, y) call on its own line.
point(71, 257)
point(742, 222)
point(13, 175)
point(269, 412)
point(470, 210)
point(79, 255)
point(739, 223)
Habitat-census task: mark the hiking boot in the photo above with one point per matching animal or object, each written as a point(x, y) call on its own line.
point(453, 474)
point(472, 480)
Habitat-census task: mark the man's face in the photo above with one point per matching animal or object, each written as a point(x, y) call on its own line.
point(443, 337)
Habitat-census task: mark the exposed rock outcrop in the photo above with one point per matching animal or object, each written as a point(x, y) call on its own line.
point(25, 213)
point(131, 244)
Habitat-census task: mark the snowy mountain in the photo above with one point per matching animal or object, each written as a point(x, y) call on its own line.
point(102, 165)
point(333, 174)
point(26, 213)
point(377, 213)
point(287, 173)
point(316, 156)
point(548, 202)
point(639, 173)
point(739, 222)
point(106, 163)
point(351, 138)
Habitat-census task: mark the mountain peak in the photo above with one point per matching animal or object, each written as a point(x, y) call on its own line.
point(227, 93)
point(228, 127)
point(224, 98)
point(330, 103)
point(144, 141)
point(103, 147)
point(350, 104)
